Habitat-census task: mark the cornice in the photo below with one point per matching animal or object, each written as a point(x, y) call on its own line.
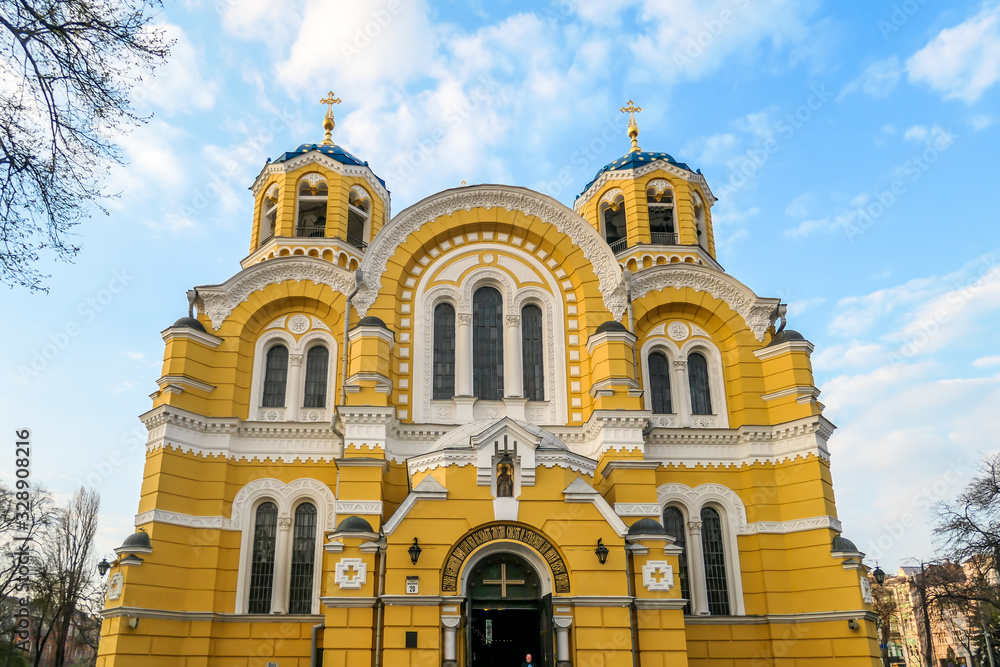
point(511, 198)
point(172, 615)
point(187, 333)
point(784, 348)
point(315, 157)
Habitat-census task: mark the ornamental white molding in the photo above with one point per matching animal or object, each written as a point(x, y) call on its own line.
point(218, 301)
point(638, 509)
point(185, 520)
point(361, 193)
point(286, 442)
point(747, 445)
point(758, 313)
point(638, 173)
point(511, 198)
point(866, 590)
point(350, 573)
point(373, 507)
point(315, 157)
point(659, 185)
point(657, 575)
point(115, 584)
point(611, 195)
point(286, 496)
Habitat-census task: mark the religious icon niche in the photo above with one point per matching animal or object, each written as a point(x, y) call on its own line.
point(505, 470)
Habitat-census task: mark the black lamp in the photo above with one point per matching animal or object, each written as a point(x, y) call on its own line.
point(601, 551)
point(103, 566)
point(879, 575)
point(414, 551)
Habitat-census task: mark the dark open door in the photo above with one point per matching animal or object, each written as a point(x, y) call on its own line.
point(466, 648)
point(548, 635)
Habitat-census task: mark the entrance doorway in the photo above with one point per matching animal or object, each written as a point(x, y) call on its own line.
point(507, 615)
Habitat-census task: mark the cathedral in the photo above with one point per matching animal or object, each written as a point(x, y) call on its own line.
point(485, 427)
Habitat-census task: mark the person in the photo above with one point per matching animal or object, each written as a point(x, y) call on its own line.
point(527, 661)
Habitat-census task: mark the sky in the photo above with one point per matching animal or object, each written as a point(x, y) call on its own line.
point(851, 144)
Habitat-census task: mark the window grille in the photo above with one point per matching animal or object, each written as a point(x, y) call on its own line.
point(715, 562)
point(300, 590)
point(659, 383)
point(444, 352)
point(275, 377)
point(317, 368)
point(701, 396)
point(487, 344)
point(533, 353)
point(262, 564)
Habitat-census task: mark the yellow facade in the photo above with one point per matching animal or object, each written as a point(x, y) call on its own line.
point(564, 432)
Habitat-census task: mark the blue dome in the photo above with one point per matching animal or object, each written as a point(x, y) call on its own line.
point(330, 150)
point(637, 159)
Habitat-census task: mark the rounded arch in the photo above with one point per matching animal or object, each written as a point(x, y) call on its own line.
point(526, 201)
point(529, 543)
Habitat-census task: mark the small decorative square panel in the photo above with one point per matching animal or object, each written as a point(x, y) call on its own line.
point(351, 573)
point(657, 575)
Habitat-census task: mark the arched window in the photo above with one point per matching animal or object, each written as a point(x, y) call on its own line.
point(275, 377)
point(699, 221)
point(317, 367)
point(487, 344)
point(444, 352)
point(300, 589)
point(661, 216)
point(673, 523)
point(311, 220)
point(701, 396)
point(659, 383)
point(533, 353)
point(265, 532)
point(359, 206)
point(715, 562)
point(613, 218)
point(269, 216)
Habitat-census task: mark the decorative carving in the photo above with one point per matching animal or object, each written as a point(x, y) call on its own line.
point(295, 359)
point(610, 196)
point(373, 507)
point(637, 509)
point(866, 590)
point(299, 324)
point(115, 584)
point(756, 312)
point(678, 331)
point(504, 531)
point(285, 494)
point(637, 174)
point(659, 185)
point(464, 318)
point(218, 301)
point(350, 573)
point(594, 248)
point(285, 522)
point(360, 193)
point(313, 179)
point(513, 320)
point(663, 421)
point(657, 575)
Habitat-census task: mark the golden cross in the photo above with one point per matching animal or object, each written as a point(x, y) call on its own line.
point(631, 110)
point(330, 100)
point(503, 580)
point(328, 123)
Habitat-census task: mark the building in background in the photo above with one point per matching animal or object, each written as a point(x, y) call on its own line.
point(487, 426)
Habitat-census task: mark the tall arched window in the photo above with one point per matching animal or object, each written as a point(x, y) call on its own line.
point(613, 218)
point(487, 344)
point(533, 353)
point(265, 532)
point(699, 221)
point(269, 216)
point(275, 377)
point(311, 221)
point(444, 352)
point(317, 368)
point(661, 217)
point(300, 589)
point(659, 383)
point(673, 524)
point(701, 396)
point(715, 562)
point(359, 207)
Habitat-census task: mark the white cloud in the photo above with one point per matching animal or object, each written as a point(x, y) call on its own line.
point(153, 160)
point(179, 85)
point(802, 206)
point(981, 121)
point(961, 62)
point(914, 426)
point(878, 80)
point(987, 362)
point(916, 133)
point(810, 227)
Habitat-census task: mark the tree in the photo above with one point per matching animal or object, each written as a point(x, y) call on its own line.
point(65, 572)
point(68, 67)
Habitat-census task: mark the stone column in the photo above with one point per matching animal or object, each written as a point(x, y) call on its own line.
point(463, 355)
point(294, 394)
point(450, 657)
point(512, 366)
point(282, 549)
point(562, 624)
point(696, 565)
point(682, 393)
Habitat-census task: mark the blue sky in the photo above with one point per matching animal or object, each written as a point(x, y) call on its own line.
point(852, 146)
